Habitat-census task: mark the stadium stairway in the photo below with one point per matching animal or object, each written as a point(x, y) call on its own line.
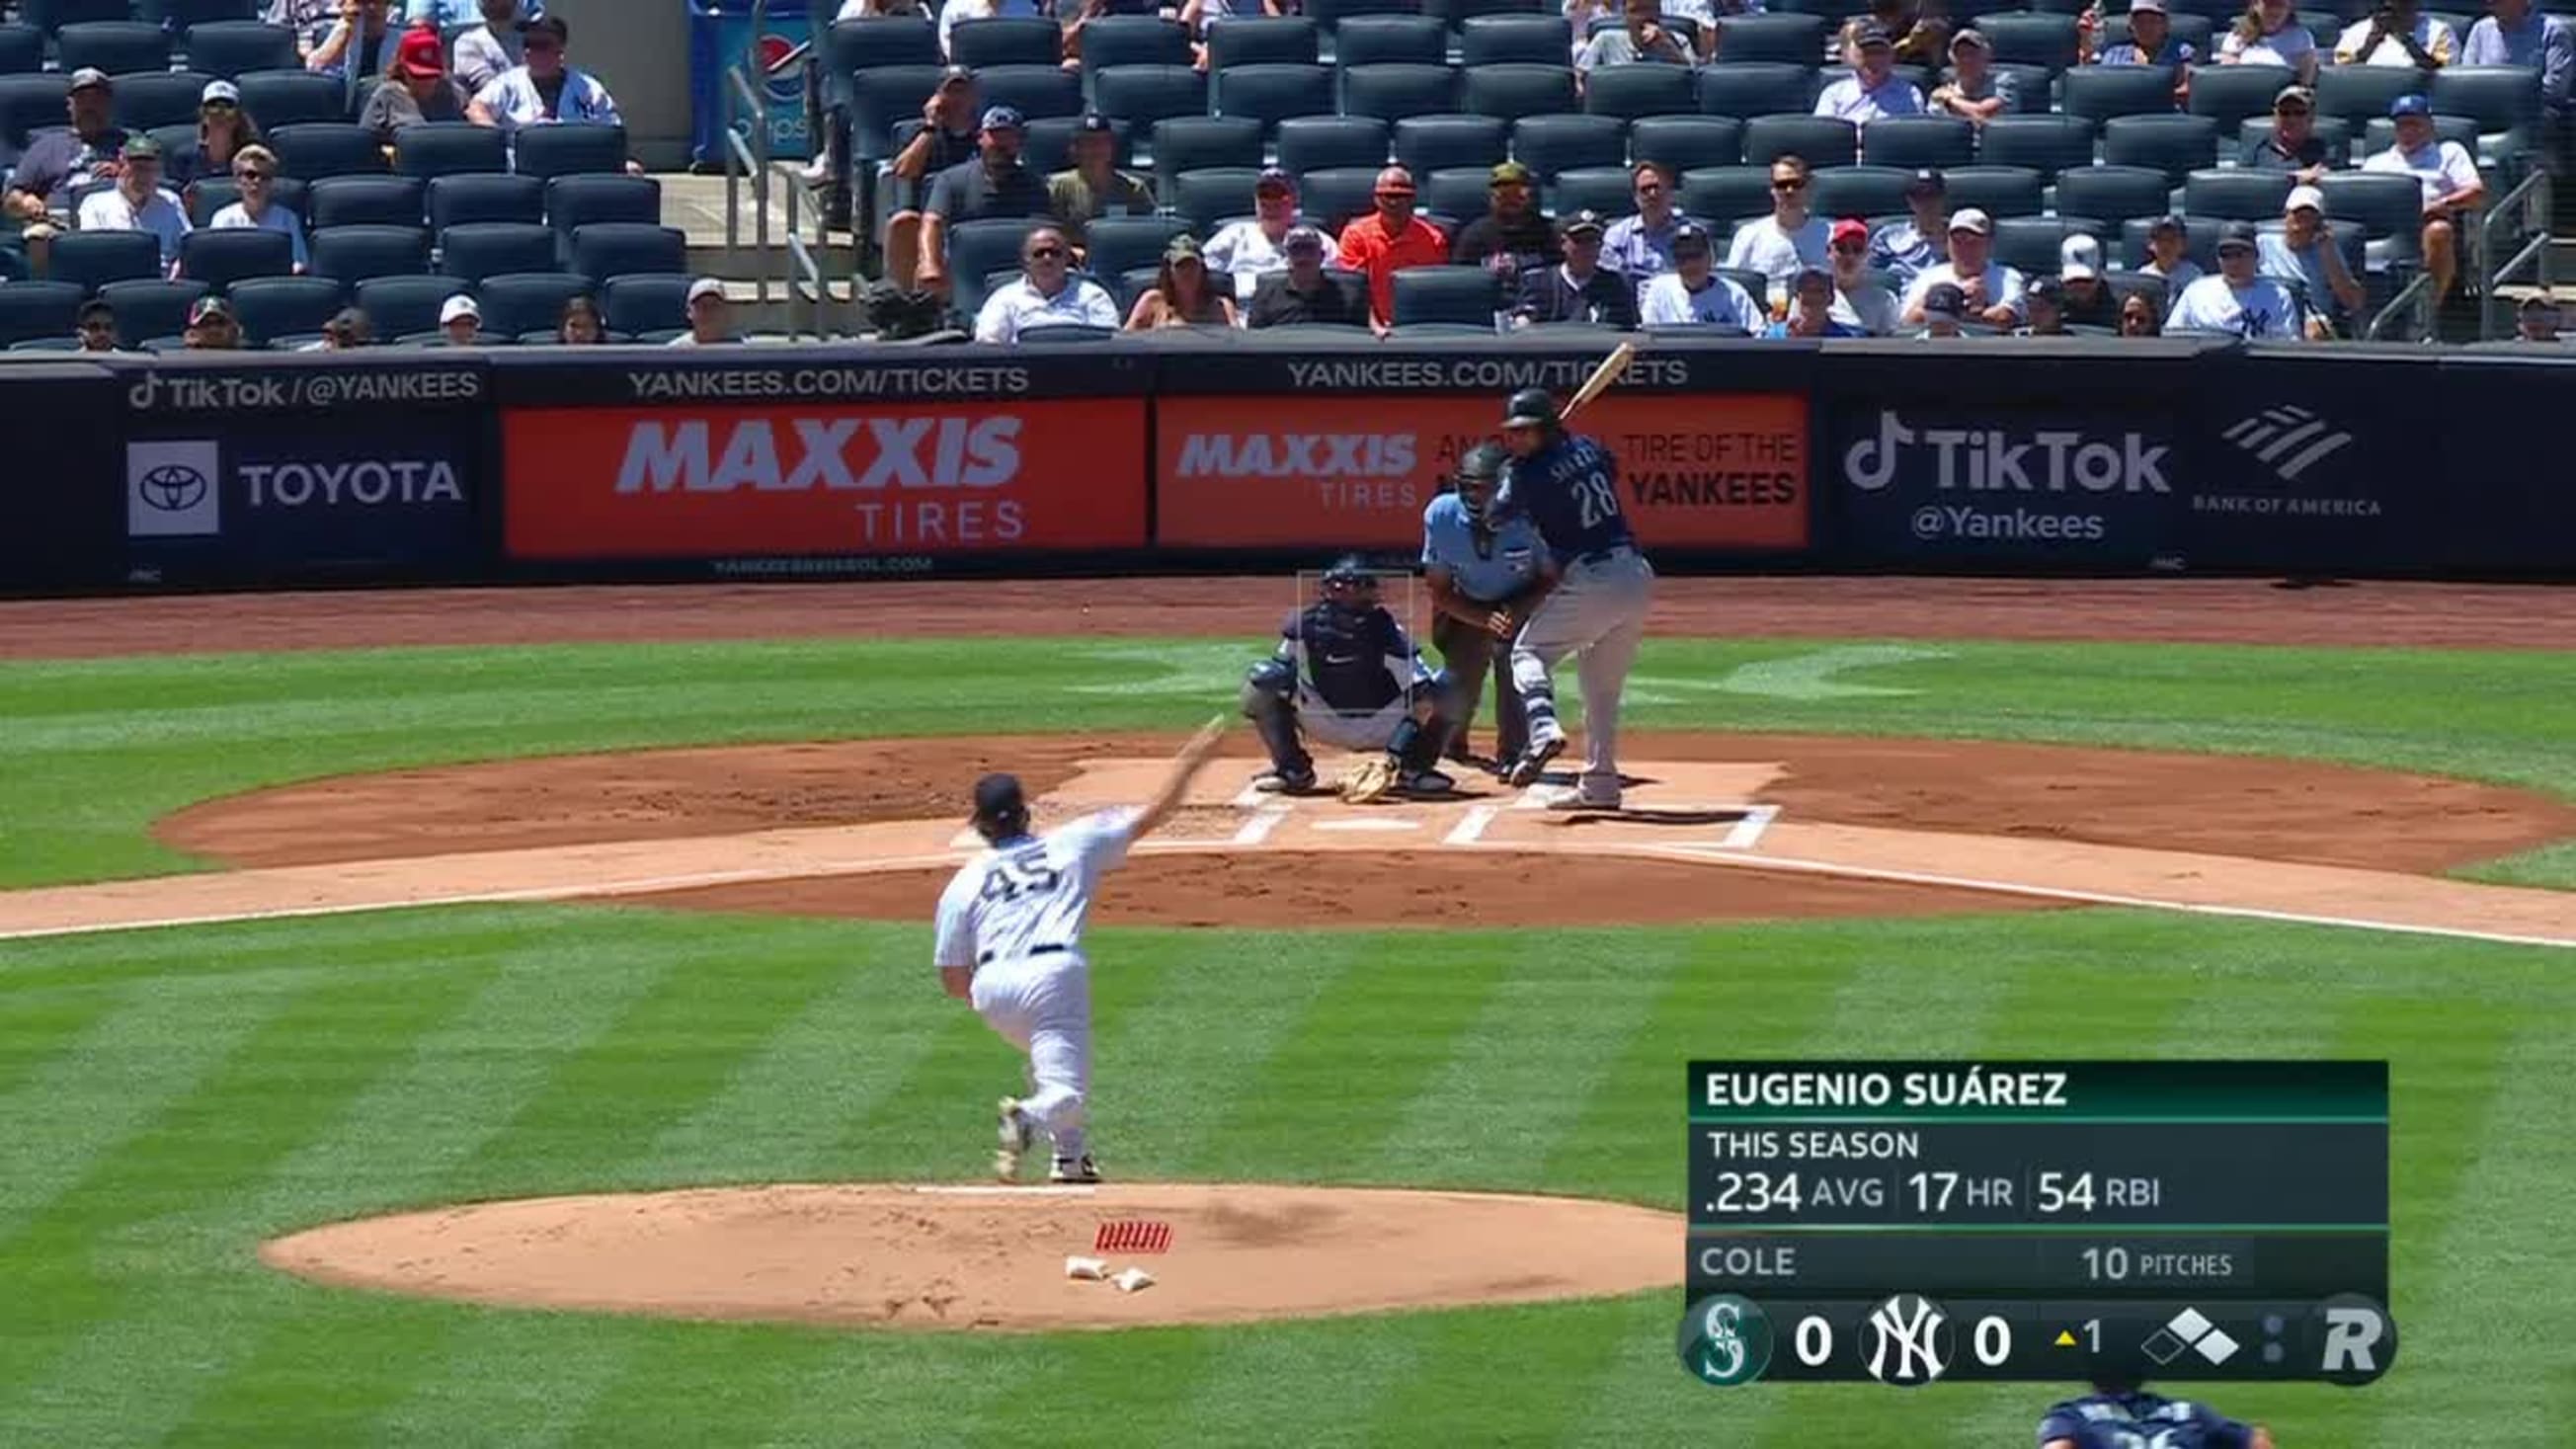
point(696, 206)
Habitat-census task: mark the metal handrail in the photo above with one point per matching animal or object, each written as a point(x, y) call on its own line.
point(751, 159)
point(2417, 294)
point(2534, 200)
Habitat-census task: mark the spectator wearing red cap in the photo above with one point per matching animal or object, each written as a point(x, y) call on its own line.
point(1859, 302)
point(1389, 239)
point(417, 89)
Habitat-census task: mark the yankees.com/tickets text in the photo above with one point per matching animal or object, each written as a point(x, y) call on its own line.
point(872, 381)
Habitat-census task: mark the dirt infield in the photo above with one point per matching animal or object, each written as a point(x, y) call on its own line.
point(994, 1258)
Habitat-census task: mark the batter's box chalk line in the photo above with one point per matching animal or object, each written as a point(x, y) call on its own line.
point(1132, 1235)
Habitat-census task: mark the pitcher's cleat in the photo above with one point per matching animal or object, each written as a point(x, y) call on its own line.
point(1015, 1135)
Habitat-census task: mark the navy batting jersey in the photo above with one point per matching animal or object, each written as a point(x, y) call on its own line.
point(1570, 489)
point(2140, 1421)
point(1357, 660)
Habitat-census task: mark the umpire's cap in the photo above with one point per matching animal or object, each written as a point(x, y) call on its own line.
point(1531, 407)
point(998, 802)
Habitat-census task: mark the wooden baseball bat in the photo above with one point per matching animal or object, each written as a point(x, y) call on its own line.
point(1612, 368)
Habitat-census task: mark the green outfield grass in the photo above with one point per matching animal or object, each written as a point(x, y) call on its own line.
point(168, 1099)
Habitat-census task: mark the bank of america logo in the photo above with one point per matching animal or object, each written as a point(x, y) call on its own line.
point(2290, 441)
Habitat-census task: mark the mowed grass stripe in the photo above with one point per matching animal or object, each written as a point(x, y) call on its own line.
point(741, 1384)
point(37, 1032)
point(2509, 1297)
point(926, 1389)
point(1508, 1376)
point(511, 1379)
point(1317, 1385)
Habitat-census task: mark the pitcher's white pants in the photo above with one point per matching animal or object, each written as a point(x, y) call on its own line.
point(1042, 1005)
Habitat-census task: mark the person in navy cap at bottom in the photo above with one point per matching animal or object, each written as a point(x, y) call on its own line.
point(2120, 1413)
point(1942, 306)
point(1578, 289)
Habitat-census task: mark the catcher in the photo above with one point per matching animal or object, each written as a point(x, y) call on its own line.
point(1485, 579)
point(1346, 673)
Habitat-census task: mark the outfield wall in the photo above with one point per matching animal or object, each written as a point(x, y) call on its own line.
point(1190, 453)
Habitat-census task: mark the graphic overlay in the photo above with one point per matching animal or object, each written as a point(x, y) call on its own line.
point(1909, 1222)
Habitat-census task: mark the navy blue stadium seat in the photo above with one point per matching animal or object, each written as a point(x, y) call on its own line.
point(1727, 194)
point(1032, 90)
point(221, 258)
point(1211, 196)
point(114, 46)
point(1262, 40)
point(2197, 31)
point(1747, 90)
point(154, 98)
point(29, 104)
point(150, 308)
point(1605, 189)
point(1468, 296)
point(1425, 144)
point(1686, 143)
point(874, 41)
point(404, 306)
point(2200, 240)
point(1047, 145)
point(1786, 36)
point(1144, 94)
point(578, 201)
point(2033, 86)
point(92, 259)
point(2030, 244)
point(236, 48)
point(364, 201)
point(1005, 40)
point(312, 150)
point(1997, 190)
point(2361, 94)
point(976, 249)
point(1514, 90)
point(1917, 141)
point(30, 311)
point(2390, 216)
point(1117, 243)
point(180, 15)
point(2175, 145)
point(1457, 13)
point(2030, 37)
point(2045, 144)
point(1395, 93)
point(646, 306)
point(2114, 194)
point(1461, 193)
point(882, 98)
point(275, 308)
point(285, 97)
point(1331, 13)
point(613, 248)
point(1198, 143)
point(174, 140)
point(52, 15)
point(528, 304)
point(1272, 93)
point(2231, 94)
point(2503, 101)
point(1515, 39)
point(1311, 143)
point(356, 253)
point(22, 50)
point(1550, 144)
point(2099, 92)
point(1631, 91)
point(1334, 195)
point(1131, 284)
point(1862, 191)
point(1116, 40)
point(1820, 141)
point(448, 148)
point(1390, 39)
point(477, 249)
point(2236, 194)
point(546, 152)
point(457, 200)
point(2381, 134)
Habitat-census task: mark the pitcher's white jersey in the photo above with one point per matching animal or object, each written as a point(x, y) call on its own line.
point(1030, 896)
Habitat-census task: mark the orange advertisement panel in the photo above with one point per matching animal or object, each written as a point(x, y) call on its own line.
point(909, 478)
point(1695, 471)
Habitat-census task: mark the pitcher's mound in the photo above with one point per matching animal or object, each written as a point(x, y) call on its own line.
point(994, 1257)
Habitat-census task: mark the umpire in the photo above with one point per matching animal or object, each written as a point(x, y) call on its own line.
point(1484, 581)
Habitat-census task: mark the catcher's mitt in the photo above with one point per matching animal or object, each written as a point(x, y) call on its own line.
point(1370, 780)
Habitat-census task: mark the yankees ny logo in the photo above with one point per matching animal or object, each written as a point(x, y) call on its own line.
point(1913, 1331)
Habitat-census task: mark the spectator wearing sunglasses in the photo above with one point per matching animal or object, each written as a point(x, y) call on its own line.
point(1046, 295)
point(1787, 241)
point(1859, 302)
point(255, 174)
point(224, 130)
point(546, 88)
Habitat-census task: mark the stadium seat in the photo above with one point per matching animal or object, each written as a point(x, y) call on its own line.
point(577, 201)
point(1785, 36)
point(1396, 93)
point(1455, 13)
point(236, 48)
point(1272, 93)
point(312, 150)
point(1820, 141)
point(1390, 40)
point(612, 248)
point(449, 148)
point(403, 306)
point(1687, 143)
point(2197, 31)
point(1197, 143)
point(1515, 90)
point(1425, 144)
point(157, 98)
point(2360, 94)
point(976, 249)
point(1550, 144)
point(28, 104)
point(118, 47)
point(2033, 85)
point(2029, 244)
point(2235, 194)
point(1332, 196)
point(1116, 40)
point(1460, 193)
point(1047, 146)
point(52, 15)
point(1609, 190)
point(2114, 193)
point(150, 308)
point(1006, 40)
point(1143, 94)
point(1210, 196)
point(1999, 191)
point(286, 98)
point(221, 258)
point(1331, 13)
point(2230, 94)
point(2381, 134)
point(1747, 90)
point(2200, 240)
point(1131, 284)
point(22, 50)
point(274, 308)
point(1627, 92)
point(477, 249)
point(1917, 141)
point(2504, 101)
point(2031, 37)
point(1035, 91)
point(2175, 145)
point(90, 260)
point(2045, 144)
point(1724, 195)
point(1118, 243)
point(364, 201)
point(1859, 190)
point(874, 41)
point(459, 200)
point(528, 304)
point(546, 152)
point(882, 98)
point(1262, 40)
point(2389, 209)
point(1515, 40)
point(173, 140)
point(2335, 133)
point(30, 311)
point(1311, 143)
point(2098, 93)
point(355, 254)
point(1466, 296)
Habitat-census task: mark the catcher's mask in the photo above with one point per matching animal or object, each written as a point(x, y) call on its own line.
point(1000, 810)
point(1480, 472)
point(1350, 582)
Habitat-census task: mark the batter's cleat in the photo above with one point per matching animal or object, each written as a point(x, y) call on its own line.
point(1427, 782)
point(1534, 761)
point(1074, 1170)
point(1284, 782)
point(1017, 1132)
point(1586, 800)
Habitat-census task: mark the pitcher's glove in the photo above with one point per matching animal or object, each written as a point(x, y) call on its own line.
point(1370, 780)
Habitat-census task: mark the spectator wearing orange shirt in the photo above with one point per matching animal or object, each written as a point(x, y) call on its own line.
point(1379, 245)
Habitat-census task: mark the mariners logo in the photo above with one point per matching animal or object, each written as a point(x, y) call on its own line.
point(1726, 1340)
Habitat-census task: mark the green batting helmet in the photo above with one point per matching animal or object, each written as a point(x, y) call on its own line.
point(1531, 407)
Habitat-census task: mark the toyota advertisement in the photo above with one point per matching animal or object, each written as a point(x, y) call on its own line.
point(302, 499)
point(1966, 485)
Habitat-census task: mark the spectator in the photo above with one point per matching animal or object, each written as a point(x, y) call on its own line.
point(1640, 36)
point(1812, 309)
point(2270, 33)
point(2168, 255)
point(1046, 295)
point(957, 10)
point(1640, 246)
point(2452, 188)
point(1195, 17)
point(212, 327)
point(460, 321)
point(1094, 186)
point(1988, 290)
point(2240, 299)
point(2516, 34)
point(311, 20)
point(1246, 251)
point(1075, 16)
point(2536, 321)
point(993, 184)
point(1918, 32)
point(947, 138)
point(1906, 249)
point(546, 89)
point(138, 202)
point(1976, 90)
point(2045, 300)
point(1693, 294)
point(255, 175)
point(224, 129)
point(1873, 89)
point(2305, 253)
point(2294, 145)
point(1788, 239)
point(710, 316)
point(2085, 298)
point(2397, 33)
point(1859, 301)
point(1579, 288)
point(1303, 293)
point(96, 327)
point(440, 14)
point(2151, 39)
point(494, 46)
point(347, 331)
point(1182, 295)
point(2138, 316)
point(417, 88)
point(1512, 238)
point(581, 325)
point(360, 44)
point(59, 163)
point(1389, 239)
point(1944, 304)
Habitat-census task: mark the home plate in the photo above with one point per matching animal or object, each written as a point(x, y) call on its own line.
point(1367, 824)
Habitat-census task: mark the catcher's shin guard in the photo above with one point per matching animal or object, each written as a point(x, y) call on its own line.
point(1267, 694)
point(1416, 744)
